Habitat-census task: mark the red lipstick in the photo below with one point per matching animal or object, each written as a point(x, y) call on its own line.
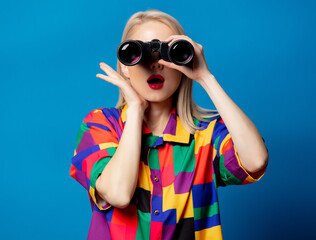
point(155, 81)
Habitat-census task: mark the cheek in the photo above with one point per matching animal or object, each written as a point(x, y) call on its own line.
point(176, 76)
point(137, 80)
point(137, 73)
point(175, 73)
point(133, 74)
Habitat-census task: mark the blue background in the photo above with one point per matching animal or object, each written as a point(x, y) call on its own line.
point(261, 52)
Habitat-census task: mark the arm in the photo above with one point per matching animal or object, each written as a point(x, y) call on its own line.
point(117, 182)
point(247, 139)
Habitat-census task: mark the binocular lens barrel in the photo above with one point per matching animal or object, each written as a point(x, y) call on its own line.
point(130, 52)
point(181, 52)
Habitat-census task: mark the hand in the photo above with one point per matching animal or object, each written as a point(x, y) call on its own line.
point(199, 67)
point(131, 97)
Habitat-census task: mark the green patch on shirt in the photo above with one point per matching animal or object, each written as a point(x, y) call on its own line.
point(183, 158)
point(207, 211)
point(227, 177)
point(143, 227)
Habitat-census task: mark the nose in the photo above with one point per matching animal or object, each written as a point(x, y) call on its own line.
point(154, 65)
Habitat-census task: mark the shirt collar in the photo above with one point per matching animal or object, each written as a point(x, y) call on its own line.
point(174, 131)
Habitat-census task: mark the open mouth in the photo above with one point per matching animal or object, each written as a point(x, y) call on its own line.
point(155, 81)
point(154, 78)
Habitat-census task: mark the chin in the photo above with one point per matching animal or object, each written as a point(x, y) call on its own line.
point(156, 98)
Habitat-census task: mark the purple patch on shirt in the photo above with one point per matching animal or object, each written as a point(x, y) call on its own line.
point(86, 142)
point(232, 165)
point(106, 205)
point(183, 182)
point(114, 123)
point(157, 187)
point(171, 126)
point(115, 112)
point(99, 227)
point(91, 203)
point(168, 231)
point(113, 115)
point(81, 177)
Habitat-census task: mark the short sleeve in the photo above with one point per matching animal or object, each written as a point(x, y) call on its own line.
point(96, 143)
point(227, 166)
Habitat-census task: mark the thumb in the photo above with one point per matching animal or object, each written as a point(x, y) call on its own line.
point(184, 69)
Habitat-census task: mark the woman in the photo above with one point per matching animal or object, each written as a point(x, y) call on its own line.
point(153, 163)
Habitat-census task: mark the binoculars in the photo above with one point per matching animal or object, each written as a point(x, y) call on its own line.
point(131, 52)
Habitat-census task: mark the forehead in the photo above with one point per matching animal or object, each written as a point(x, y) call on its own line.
point(151, 30)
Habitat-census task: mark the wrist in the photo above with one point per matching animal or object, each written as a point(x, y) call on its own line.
point(207, 78)
point(135, 110)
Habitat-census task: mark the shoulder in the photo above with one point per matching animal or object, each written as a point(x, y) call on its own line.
point(207, 121)
point(211, 128)
point(106, 112)
point(102, 115)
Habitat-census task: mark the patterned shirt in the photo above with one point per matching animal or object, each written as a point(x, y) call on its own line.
point(176, 193)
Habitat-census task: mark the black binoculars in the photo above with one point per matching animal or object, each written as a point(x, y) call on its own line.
point(131, 52)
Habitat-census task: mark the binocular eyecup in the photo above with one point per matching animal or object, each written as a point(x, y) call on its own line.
point(131, 52)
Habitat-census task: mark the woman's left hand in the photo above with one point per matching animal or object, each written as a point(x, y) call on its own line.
point(199, 68)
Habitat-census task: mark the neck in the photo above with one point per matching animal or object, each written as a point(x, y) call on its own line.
point(157, 115)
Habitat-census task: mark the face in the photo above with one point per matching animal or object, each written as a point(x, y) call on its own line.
point(140, 73)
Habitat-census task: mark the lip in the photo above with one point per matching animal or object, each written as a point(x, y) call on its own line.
point(156, 85)
point(156, 76)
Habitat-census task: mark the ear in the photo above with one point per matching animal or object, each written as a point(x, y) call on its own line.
point(124, 70)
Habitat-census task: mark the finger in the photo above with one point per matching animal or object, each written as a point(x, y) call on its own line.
point(197, 47)
point(106, 68)
point(184, 69)
point(169, 38)
point(169, 64)
point(174, 36)
point(108, 79)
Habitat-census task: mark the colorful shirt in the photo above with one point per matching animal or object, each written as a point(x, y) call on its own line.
point(179, 173)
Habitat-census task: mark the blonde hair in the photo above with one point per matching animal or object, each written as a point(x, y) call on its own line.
point(186, 107)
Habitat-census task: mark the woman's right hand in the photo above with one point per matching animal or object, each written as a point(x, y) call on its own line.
point(132, 98)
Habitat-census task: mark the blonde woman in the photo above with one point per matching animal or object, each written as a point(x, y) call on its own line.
point(153, 163)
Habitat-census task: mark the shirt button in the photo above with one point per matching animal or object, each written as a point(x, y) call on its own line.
point(156, 179)
point(156, 212)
